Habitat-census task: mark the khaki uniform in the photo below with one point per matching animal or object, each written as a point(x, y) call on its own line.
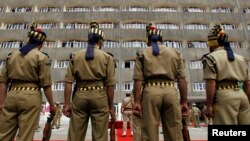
point(159, 96)
point(196, 116)
point(203, 113)
point(57, 117)
point(136, 125)
point(22, 104)
point(90, 100)
point(231, 103)
point(127, 114)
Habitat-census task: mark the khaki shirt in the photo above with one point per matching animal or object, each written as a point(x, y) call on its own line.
point(127, 103)
point(217, 66)
point(169, 64)
point(34, 67)
point(101, 68)
point(196, 111)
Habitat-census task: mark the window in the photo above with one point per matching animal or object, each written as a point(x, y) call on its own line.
point(196, 26)
point(193, 9)
point(199, 86)
point(134, 44)
point(77, 9)
point(172, 44)
point(229, 26)
point(197, 44)
point(116, 86)
point(75, 44)
point(48, 25)
point(134, 8)
point(2, 62)
point(167, 26)
point(1, 9)
point(110, 44)
point(50, 9)
point(61, 64)
point(128, 86)
point(165, 9)
point(58, 86)
point(235, 44)
point(17, 26)
point(222, 10)
point(108, 25)
point(195, 65)
point(134, 26)
point(116, 64)
point(49, 44)
point(76, 26)
point(246, 10)
point(107, 8)
point(22, 9)
point(11, 44)
point(128, 64)
point(248, 27)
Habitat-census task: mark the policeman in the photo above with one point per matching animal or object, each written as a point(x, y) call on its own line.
point(126, 110)
point(156, 69)
point(57, 117)
point(27, 70)
point(196, 115)
point(222, 70)
point(93, 72)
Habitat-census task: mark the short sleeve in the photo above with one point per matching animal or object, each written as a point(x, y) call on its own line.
point(69, 77)
point(209, 68)
point(44, 70)
point(181, 67)
point(110, 72)
point(138, 69)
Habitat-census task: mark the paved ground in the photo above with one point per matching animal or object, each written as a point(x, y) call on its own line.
point(61, 133)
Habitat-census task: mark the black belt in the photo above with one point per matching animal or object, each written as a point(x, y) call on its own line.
point(25, 88)
point(91, 88)
point(169, 84)
point(227, 87)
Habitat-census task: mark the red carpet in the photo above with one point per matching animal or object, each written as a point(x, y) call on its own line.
point(120, 138)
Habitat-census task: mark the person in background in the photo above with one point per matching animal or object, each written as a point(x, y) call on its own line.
point(57, 117)
point(196, 115)
point(126, 109)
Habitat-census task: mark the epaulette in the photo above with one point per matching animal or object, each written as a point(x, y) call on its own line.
point(8, 56)
point(71, 58)
point(46, 54)
point(205, 55)
point(110, 54)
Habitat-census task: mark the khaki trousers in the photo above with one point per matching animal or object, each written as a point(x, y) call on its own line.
point(20, 113)
point(127, 116)
point(92, 104)
point(136, 128)
point(231, 107)
point(160, 102)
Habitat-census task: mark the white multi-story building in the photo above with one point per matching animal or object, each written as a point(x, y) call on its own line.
point(185, 25)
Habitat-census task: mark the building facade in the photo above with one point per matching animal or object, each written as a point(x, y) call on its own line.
point(185, 25)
